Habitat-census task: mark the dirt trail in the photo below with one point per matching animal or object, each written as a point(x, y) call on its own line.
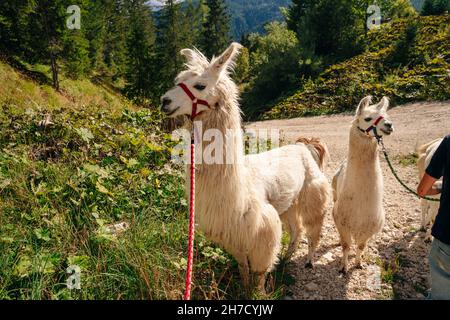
point(400, 247)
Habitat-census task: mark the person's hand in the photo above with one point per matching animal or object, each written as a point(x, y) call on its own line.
point(438, 186)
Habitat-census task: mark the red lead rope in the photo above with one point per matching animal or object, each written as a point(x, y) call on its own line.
point(187, 293)
point(195, 103)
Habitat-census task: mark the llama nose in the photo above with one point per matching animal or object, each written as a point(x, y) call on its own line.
point(388, 124)
point(165, 104)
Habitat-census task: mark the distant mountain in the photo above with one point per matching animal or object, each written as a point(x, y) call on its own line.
point(157, 5)
point(251, 15)
point(246, 15)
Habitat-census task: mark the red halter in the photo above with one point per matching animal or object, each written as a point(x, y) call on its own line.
point(373, 128)
point(195, 101)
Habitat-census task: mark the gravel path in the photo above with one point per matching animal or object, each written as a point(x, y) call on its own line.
point(396, 263)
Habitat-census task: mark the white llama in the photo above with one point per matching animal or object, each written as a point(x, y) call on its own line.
point(429, 208)
point(241, 205)
point(358, 185)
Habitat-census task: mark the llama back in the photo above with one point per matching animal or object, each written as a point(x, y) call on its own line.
point(318, 149)
point(425, 154)
point(424, 148)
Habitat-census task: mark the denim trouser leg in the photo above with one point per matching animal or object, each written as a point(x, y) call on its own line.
point(440, 271)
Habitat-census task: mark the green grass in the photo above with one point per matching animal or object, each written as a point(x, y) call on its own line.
point(61, 184)
point(103, 161)
point(23, 92)
point(391, 274)
point(407, 160)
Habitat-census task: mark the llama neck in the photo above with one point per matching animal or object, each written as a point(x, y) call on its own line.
point(228, 123)
point(230, 170)
point(363, 151)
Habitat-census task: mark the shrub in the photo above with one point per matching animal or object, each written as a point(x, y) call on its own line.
point(402, 50)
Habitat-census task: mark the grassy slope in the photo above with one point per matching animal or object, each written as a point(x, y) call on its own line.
point(103, 161)
point(426, 77)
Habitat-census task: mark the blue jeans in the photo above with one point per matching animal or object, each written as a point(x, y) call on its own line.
point(440, 271)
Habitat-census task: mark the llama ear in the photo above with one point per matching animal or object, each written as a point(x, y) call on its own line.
point(384, 104)
point(227, 58)
point(363, 104)
point(189, 54)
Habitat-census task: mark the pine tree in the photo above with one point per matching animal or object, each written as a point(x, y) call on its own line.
point(441, 6)
point(114, 42)
point(297, 12)
point(428, 8)
point(192, 23)
point(140, 42)
point(13, 25)
point(216, 29)
point(107, 29)
point(169, 44)
point(242, 69)
point(75, 53)
point(402, 50)
point(39, 34)
point(45, 31)
point(276, 57)
point(326, 28)
point(435, 7)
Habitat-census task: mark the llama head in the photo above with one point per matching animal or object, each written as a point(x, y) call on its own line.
point(206, 80)
point(370, 115)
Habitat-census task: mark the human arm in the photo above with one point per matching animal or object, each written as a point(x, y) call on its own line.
point(427, 186)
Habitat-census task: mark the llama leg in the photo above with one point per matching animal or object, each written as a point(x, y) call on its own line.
point(244, 271)
point(260, 282)
point(428, 236)
point(313, 208)
point(334, 185)
point(425, 208)
point(295, 236)
point(257, 284)
point(313, 235)
point(433, 209)
point(431, 212)
point(292, 220)
point(359, 252)
point(345, 243)
point(266, 245)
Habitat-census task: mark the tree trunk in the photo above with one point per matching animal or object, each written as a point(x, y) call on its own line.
point(366, 15)
point(54, 71)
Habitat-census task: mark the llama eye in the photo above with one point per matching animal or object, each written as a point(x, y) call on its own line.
point(200, 87)
point(368, 119)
